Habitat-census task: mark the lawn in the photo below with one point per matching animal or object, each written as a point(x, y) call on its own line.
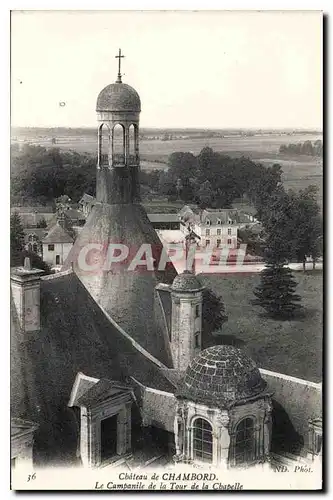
point(290, 347)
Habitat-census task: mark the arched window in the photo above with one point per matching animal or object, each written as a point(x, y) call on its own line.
point(244, 446)
point(104, 144)
point(202, 441)
point(118, 145)
point(132, 140)
point(35, 247)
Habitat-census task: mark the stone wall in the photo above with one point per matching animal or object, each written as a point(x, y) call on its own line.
point(61, 249)
point(300, 399)
point(159, 409)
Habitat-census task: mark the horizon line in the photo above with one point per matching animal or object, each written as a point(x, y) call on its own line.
point(312, 129)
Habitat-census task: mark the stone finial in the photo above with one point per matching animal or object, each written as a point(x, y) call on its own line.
point(27, 264)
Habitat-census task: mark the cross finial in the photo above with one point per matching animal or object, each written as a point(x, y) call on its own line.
point(119, 57)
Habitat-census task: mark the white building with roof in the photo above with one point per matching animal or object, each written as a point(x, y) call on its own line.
point(217, 228)
point(56, 245)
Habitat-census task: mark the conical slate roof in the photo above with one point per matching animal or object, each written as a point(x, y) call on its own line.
point(129, 297)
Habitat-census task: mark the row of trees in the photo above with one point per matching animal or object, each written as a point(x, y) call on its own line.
point(216, 180)
point(40, 175)
point(303, 148)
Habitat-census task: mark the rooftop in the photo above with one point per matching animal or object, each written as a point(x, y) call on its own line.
point(221, 376)
point(75, 336)
point(186, 281)
point(118, 97)
point(57, 234)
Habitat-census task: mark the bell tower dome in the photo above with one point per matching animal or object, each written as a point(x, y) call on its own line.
point(118, 110)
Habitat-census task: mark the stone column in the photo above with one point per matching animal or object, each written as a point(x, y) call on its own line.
point(257, 440)
point(267, 430)
point(127, 140)
point(128, 427)
point(121, 432)
point(224, 440)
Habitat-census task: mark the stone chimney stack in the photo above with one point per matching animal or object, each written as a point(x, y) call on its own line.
point(25, 288)
point(186, 319)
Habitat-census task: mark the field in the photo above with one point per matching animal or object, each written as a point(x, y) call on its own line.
point(290, 347)
point(299, 171)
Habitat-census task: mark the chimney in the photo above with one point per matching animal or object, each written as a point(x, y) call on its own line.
point(25, 288)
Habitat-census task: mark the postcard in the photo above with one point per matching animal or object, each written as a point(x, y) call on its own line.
point(166, 246)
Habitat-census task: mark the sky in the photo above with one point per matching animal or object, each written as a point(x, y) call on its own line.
point(206, 69)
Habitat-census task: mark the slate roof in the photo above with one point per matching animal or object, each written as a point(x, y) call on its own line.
point(74, 214)
point(57, 234)
point(221, 376)
point(185, 282)
point(19, 427)
point(129, 297)
point(99, 392)
point(71, 215)
point(163, 217)
point(31, 210)
point(164, 295)
point(213, 215)
point(75, 337)
point(118, 97)
point(87, 198)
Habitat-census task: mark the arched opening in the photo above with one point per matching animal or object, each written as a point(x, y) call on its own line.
point(244, 444)
point(104, 144)
point(118, 145)
point(132, 141)
point(202, 442)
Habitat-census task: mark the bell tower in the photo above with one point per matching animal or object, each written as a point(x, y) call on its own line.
point(118, 110)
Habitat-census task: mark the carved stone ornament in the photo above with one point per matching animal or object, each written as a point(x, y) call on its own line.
point(223, 420)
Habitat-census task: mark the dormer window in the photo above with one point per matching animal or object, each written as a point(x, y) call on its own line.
point(207, 222)
point(219, 222)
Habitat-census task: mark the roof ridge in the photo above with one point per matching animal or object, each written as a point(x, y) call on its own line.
point(56, 275)
point(135, 344)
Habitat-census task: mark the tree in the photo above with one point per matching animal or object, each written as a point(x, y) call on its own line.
point(182, 165)
point(205, 195)
point(276, 292)
point(179, 187)
point(308, 225)
point(278, 222)
point(213, 317)
point(166, 185)
point(63, 203)
point(42, 223)
point(16, 236)
point(264, 185)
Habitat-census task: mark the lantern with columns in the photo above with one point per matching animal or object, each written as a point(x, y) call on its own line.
point(223, 414)
point(118, 109)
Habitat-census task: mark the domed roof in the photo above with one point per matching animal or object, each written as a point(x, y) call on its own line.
point(221, 376)
point(186, 281)
point(118, 97)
